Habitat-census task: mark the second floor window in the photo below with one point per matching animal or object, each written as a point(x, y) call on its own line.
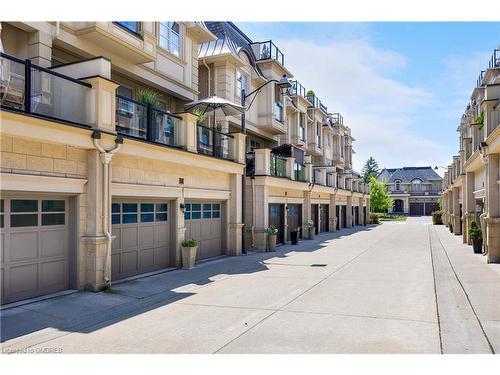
point(398, 185)
point(242, 83)
point(302, 127)
point(130, 25)
point(170, 37)
point(318, 134)
point(416, 185)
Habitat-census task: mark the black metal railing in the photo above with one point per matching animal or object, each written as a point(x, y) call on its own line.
point(139, 120)
point(213, 142)
point(277, 166)
point(32, 89)
point(495, 59)
point(480, 79)
point(267, 50)
point(316, 103)
point(297, 89)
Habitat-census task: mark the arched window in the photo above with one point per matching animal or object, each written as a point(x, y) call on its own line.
point(416, 185)
point(398, 185)
point(170, 37)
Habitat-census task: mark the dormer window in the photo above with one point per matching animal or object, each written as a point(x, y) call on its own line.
point(416, 185)
point(398, 185)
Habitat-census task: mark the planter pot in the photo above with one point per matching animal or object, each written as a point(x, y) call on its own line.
point(312, 233)
point(450, 228)
point(271, 242)
point(188, 257)
point(294, 237)
point(477, 245)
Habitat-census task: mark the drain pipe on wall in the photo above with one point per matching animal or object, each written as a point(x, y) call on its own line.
point(106, 156)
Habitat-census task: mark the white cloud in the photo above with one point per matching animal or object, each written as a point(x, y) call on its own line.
point(354, 77)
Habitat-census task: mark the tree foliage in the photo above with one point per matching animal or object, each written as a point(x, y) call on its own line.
point(370, 169)
point(379, 197)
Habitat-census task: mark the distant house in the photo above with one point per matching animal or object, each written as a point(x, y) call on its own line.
point(415, 190)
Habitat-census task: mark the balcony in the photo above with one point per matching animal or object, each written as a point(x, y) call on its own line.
point(495, 59)
point(316, 103)
point(299, 171)
point(337, 119)
point(431, 193)
point(480, 79)
point(277, 166)
point(123, 39)
point(213, 142)
point(267, 51)
point(34, 90)
point(297, 89)
point(314, 148)
point(137, 120)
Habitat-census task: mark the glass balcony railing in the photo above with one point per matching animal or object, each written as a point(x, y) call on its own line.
point(495, 59)
point(138, 120)
point(213, 142)
point(277, 166)
point(266, 51)
point(337, 118)
point(299, 170)
point(297, 89)
point(316, 103)
point(35, 90)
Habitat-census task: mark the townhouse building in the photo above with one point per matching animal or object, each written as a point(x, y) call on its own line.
point(414, 190)
point(98, 185)
point(299, 156)
point(471, 182)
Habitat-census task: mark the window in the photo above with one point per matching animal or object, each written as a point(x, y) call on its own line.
point(24, 213)
point(170, 37)
point(194, 211)
point(129, 25)
point(318, 135)
point(128, 213)
point(302, 127)
point(398, 185)
point(242, 83)
point(416, 185)
point(53, 212)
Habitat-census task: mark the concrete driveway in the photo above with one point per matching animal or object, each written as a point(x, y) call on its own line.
point(394, 288)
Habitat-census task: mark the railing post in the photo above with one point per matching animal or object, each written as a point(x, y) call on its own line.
point(27, 86)
point(262, 161)
point(149, 123)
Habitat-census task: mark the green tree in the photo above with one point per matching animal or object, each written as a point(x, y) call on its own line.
point(379, 197)
point(370, 169)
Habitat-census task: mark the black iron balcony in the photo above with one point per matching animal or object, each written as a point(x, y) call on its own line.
point(479, 82)
point(267, 51)
point(34, 90)
point(141, 121)
point(250, 162)
point(297, 89)
point(213, 142)
point(316, 103)
point(495, 59)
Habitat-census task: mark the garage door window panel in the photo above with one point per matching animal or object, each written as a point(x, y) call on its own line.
point(129, 213)
point(24, 213)
point(161, 212)
point(53, 212)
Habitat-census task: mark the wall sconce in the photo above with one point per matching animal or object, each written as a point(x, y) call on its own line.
point(182, 207)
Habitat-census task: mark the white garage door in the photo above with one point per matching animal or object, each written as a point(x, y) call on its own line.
point(142, 238)
point(203, 223)
point(34, 238)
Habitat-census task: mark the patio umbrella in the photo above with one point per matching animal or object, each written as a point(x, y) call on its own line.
point(212, 104)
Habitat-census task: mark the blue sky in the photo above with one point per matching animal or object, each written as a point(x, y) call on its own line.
point(402, 87)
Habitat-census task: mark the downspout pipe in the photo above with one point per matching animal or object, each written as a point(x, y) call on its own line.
point(106, 156)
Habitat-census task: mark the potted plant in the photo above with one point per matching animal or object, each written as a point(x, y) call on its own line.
point(310, 230)
point(476, 236)
point(272, 232)
point(294, 235)
point(189, 248)
point(437, 218)
point(148, 97)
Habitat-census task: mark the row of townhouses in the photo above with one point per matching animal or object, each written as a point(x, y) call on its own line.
point(414, 190)
point(471, 184)
point(98, 186)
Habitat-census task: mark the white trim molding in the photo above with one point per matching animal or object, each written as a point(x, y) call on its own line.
point(42, 184)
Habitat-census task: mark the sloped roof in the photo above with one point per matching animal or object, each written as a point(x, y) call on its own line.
point(222, 46)
point(408, 174)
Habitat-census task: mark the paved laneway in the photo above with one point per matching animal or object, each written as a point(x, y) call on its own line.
point(371, 290)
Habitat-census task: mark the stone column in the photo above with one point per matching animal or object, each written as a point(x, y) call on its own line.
point(349, 212)
point(235, 217)
point(261, 206)
point(262, 161)
point(186, 137)
point(179, 231)
point(40, 48)
point(469, 206)
point(101, 99)
point(95, 241)
point(332, 222)
point(367, 218)
point(457, 229)
point(307, 210)
point(290, 167)
point(493, 208)
point(237, 148)
point(360, 211)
